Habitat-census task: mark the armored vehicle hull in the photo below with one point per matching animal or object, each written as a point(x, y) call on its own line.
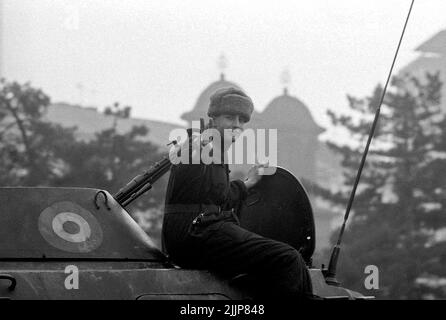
point(77, 243)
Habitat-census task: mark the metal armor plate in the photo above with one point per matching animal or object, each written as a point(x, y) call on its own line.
point(278, 207)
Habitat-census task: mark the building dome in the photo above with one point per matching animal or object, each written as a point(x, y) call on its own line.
point(288, 111)
point(201, 106)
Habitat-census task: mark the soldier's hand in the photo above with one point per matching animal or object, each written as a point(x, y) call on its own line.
point(255, 174)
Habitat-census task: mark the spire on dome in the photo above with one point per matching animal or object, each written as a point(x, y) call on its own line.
point(285, 79)
point(222, 65)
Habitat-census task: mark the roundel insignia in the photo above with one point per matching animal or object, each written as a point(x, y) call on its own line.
point(69, 227)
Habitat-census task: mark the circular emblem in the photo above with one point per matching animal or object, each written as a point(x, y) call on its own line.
point(69, 227)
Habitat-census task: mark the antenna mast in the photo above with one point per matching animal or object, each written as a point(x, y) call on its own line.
point(330, 273)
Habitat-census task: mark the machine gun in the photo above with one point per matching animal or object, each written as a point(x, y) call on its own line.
point(144, 182)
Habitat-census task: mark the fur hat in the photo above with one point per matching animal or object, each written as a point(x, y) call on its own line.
point(231, 101)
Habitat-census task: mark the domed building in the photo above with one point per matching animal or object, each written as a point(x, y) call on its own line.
point(201, 106)
point(297, 134)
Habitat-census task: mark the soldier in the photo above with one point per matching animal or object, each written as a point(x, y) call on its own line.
point(201, 227)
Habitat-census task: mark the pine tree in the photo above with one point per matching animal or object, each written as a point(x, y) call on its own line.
point(399, 207)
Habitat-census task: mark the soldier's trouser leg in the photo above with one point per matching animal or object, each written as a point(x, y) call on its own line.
point(226, 247)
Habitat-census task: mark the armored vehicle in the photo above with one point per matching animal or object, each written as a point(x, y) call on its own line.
point(75, 243)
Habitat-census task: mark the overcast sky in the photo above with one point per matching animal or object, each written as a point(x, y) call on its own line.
point(157, 56)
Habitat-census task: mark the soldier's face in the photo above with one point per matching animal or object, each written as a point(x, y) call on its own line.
point(231, 122)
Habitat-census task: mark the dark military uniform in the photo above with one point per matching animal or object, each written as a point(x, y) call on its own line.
point(201, 230)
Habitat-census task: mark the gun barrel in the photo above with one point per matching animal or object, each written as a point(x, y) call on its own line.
point(148, 177)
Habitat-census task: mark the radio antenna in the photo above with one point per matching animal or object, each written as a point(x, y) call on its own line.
point(330, 273)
